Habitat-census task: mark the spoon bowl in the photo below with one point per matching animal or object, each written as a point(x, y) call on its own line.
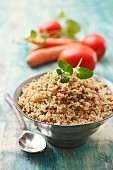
point(29, 142)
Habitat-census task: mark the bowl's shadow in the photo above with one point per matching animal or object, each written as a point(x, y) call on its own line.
point(83, 157)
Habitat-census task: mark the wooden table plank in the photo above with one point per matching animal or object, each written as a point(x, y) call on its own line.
point(17, 18)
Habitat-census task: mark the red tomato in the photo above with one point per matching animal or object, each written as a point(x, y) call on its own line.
point(97, 43)
point(51, 27)
point(73, 56)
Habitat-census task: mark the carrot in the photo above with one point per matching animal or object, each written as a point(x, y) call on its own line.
point(42, 56)
point(50, 42)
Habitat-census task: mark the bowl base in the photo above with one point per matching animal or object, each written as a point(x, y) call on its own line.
point(66, 143)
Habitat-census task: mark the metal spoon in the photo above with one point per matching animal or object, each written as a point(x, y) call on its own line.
point(28, 141)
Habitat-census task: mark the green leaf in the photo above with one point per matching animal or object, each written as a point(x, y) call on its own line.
point(63, 65)
point(84, 73)
point(64, 78)
point(72, 28)
point(33, 35)
point(61, 15)
point(59, 71)
point(70, 69)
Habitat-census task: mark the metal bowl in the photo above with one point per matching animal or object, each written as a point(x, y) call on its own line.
point(64, 136)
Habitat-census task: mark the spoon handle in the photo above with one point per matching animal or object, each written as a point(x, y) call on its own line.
point(9, 99)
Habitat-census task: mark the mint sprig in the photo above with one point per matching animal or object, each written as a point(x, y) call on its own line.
point(66, 70)
point(70, 27)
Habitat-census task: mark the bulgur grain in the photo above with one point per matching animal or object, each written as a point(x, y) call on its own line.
point(76, 102)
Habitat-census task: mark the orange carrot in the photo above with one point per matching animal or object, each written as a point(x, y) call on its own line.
point(50, 42)
point(42, 56)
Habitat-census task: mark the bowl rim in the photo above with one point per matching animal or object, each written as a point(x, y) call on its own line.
point(96, 76)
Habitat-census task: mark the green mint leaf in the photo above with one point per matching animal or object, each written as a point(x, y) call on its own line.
point(64, 78)
point(43, 42)
point(72, 28)
point(70, 69)
point(63, 65)
point(84, 73)
point(33, 34)
point(59, 71)
point(61, 15)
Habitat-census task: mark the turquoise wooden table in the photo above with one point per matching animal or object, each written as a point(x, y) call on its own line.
point(17, 18)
